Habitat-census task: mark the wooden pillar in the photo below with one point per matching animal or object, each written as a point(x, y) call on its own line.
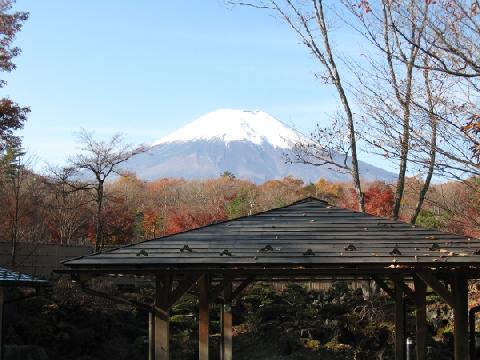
point(400, 347)
point(226, 323)
point(203, 318)
point(151, 336)
point(420, 319)
point(161, 326)
point(472, 321)
point(460, 313)
point(2, 299)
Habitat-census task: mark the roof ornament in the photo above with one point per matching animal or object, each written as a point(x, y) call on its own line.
point(396, 251)
point(350, 247)
point(186, 248)
point(142, 252)
point(385, 225)
point(267, 247)
point(435, 247)
point(309, 252)
point(225, 252)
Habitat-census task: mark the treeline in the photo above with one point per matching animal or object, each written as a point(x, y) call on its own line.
point(40, 208)
point(415, 92)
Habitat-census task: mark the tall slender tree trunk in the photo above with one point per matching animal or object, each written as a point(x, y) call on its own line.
point(355, 173)
point(433, 149)
point(405, 147)
point(15, 230)
point(16, 191)
point(404, 100)
point(99, 241)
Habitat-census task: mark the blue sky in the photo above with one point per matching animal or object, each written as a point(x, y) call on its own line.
point(145, 68)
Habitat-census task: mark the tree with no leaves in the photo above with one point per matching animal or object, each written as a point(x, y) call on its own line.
point(445, 34)
point(453, 49)
point(388, 81)
point(415, 85)
point(14, 173)
point(66, 203)
point(97, 161)
point(328, 147)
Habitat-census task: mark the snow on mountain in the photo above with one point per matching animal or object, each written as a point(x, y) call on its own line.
point(250, 144)
point(230, 125)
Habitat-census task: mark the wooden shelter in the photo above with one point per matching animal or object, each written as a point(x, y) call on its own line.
point(11, 279)
point(306, 240)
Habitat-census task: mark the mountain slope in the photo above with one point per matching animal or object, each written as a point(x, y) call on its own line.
point(229, 126)
point(250, 144)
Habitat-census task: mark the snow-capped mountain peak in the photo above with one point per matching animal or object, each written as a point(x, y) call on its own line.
point(230, 125)
point(251, 144)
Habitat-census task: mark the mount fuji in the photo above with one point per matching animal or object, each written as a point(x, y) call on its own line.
point(250, 144)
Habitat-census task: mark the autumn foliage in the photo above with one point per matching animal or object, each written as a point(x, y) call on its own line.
point(136, 210)
point(379, 199)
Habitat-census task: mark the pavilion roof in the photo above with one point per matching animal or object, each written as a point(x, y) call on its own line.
point(12, 278)
point(308, 233)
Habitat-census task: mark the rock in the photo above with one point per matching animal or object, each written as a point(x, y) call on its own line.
point(306, 333)
point(24, 352)
point(287, 345)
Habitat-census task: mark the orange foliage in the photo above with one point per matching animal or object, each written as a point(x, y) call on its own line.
point(349, 200)
point(174, 205)
point(118, 224)
point(329, 191)
point(379, 199)
point(185, 219)
point(151, 217)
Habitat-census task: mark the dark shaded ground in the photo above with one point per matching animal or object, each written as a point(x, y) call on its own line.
point(292, 324)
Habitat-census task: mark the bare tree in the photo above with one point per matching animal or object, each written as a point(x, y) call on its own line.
point(432, 146)
point(454, 39)
point(388, 80)
point(308, 20)
point(67, 203)
point(97, 161)
point(14, 170)
point(416, 86)
point(451, 43)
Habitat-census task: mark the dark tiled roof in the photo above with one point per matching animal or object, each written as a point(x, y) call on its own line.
point(307, 233)
point(11, 278)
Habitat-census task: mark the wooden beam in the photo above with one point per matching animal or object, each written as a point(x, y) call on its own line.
point(163, 286)
point(437, 286)
point(400, 329)
point(182, 287)
point(242, 286)
point(420, 319)
point(406, 290)
point(203, 318)
point(121, 300)
point(226, 324)
point(460, 320)
point(384, 286)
